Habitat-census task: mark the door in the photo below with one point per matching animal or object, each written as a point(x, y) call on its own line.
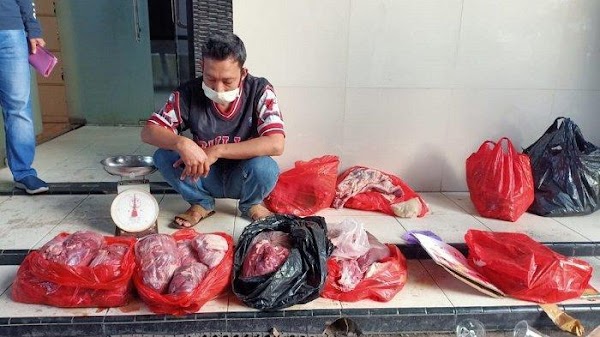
point(105, 47)
point(170, 46)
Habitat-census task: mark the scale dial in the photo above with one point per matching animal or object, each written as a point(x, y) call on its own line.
point(134, 210)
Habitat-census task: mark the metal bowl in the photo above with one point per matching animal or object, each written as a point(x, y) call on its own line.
point(130, 166)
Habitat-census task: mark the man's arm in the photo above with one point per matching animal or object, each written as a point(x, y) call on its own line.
point(196, 161)
point(271, 145)
point(32, 26)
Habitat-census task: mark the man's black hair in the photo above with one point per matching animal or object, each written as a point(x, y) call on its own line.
point(223, 46)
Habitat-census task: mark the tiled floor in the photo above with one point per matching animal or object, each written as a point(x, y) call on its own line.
point(27, 222)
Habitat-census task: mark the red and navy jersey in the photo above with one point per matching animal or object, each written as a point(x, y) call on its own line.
point(253, 114)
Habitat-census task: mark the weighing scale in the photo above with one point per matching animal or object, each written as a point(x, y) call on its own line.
point(134, 210)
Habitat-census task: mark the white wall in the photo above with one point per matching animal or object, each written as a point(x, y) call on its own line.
point(413, 87)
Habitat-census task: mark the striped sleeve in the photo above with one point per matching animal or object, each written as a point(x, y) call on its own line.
point(270, 120)
point(169, 116)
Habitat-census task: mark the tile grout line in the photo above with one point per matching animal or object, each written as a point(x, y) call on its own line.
point(59, 222)
point(436, 282)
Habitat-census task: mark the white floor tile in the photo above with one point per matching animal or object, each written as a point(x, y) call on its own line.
point(104, 226)
point(439, 204)
point(93, 206)
point(23, 237)
point(539, 228)
point(3, 198)
point(41, 209)
point(461, 294)
point(240, 224)
point(53, 175)
point(135, 307)
point(463, 200)
point(138, 307)
point(7, 276)
point(6, 175)
point(419, 291)
point(318, 303)
point(450, 227)
point(78, 161)
point(587, 225)
point(235, 305)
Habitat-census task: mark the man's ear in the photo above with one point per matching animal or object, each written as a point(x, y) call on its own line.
point(244, 72)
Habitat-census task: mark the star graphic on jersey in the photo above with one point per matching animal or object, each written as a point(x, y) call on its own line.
point(269, 103)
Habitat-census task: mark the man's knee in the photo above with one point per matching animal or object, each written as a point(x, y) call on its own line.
point(164, 158)
point(264, 169)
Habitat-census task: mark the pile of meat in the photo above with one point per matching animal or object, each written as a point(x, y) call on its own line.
point(268, 251)
point(83, 249)
point(357, 252)
point(178, 267)
point(363, 179)
point(373, 190)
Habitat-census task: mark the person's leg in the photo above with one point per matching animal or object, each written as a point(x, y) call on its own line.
point(16, 103)
point(203, 192)
point(251, 181)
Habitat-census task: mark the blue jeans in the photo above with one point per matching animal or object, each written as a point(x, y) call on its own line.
point(16, 103)
point(249, 180)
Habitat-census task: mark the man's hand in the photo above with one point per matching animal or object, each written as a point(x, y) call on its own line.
point(196, 160)
point(33, 43)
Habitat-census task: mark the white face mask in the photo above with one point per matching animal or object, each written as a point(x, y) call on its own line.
point(224, 97)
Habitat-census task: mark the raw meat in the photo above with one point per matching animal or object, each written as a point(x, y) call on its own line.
point(158, 258)
point(351, 275)
point(211, 249)
point(110, 255)
point(187, 278)
point(54, 248)
point(187, 253)
point(377, 252)
point(268, 251)
point(77, 249)
point(363, 179)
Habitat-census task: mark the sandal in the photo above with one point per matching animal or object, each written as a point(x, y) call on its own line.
point(191, 217)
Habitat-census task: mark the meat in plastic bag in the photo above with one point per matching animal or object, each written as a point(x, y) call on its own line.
point(349, 238)
point(78, 249)
point(186, 278)
point(158, 258)
point(269, 250)
point(111, 255)
point(187, 253)
point(211, 249)
point(300, 278)
point(377, 252)
point(192, 285)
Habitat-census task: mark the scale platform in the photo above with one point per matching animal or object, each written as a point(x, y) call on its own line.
point(134, 210)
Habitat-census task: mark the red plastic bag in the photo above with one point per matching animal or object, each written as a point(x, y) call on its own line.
point(500, 183)
point(41, 281)
point(306, 188)
point(382, 286)
point(376, 201)
point(215, 282)
point(525, 269)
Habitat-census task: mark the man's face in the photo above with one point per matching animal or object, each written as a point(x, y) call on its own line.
point(223, 75)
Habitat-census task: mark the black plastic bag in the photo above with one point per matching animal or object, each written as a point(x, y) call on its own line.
point(301, 277)
point(566, 171)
